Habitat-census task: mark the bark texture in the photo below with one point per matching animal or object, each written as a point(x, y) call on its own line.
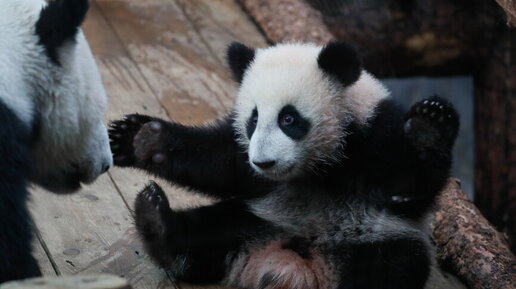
point(468, 243)
point(509, 6)
point(288, 20)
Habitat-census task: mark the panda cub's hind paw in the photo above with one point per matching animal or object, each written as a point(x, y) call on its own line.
point(150, 208)
point(136, 140)
point(432, 124)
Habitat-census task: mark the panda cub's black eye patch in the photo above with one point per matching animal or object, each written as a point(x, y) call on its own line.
point(292, 123)
point(251, 123)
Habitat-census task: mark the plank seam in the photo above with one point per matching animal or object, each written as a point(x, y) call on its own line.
point(47, 251)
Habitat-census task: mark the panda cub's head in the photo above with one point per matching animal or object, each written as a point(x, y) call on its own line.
point(295, 102)
point(49, 79)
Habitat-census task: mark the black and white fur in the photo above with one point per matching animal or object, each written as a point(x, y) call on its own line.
point(325, 182)
point(52, 102)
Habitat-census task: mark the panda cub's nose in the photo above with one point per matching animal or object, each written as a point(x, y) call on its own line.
point(264, 165)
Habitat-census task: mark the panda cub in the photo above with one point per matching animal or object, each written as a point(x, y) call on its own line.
point(324, 181)
point(52, 102)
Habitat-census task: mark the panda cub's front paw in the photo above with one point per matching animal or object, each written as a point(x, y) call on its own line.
point(432, 124)
point(136, 140)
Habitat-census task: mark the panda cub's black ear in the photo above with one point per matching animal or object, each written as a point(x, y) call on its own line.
point(239, 58)
point(58, 23)
point(339, 59)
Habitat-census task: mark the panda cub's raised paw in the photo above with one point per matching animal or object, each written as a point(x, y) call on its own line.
point(136, 141)
point(432, 124)
point(150, 208)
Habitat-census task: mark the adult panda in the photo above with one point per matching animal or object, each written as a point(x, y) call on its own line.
point(52, 103)
point(325, 182)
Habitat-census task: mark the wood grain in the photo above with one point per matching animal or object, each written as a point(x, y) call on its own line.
point(221, 22)
point(91, 231)
point(189, 82)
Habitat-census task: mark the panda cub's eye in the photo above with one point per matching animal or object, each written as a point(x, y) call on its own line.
point(254, 119)
point(292, 123)
point(286, 119)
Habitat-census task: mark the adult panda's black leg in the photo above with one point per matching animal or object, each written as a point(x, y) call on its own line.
point(205, 158)
point(16, 230)
point(194, 245)
point(16, 260)
point(386, 264)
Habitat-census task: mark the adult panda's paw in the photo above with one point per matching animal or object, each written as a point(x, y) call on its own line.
point(150, 208)
point(432, 125)
point(136, 141)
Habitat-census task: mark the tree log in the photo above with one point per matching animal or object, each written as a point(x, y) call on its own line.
point(509, 6)
point(296, 17)
point(468, 243)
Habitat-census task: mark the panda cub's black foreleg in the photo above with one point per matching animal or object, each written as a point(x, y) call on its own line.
point(205, 158)
point(431, 126)
point(430, 129)
point(194, 244)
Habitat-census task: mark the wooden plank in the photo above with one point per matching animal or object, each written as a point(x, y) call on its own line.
point(221, 22)
point(189, 82)
point(91, 231)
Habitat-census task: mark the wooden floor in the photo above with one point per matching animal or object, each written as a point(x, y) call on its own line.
point(159, 57)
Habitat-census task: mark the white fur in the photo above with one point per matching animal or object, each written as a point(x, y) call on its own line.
point(69, 99)
point(289, 74)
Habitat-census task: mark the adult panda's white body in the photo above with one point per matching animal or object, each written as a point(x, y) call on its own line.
point(52, 102)
point(325, 181)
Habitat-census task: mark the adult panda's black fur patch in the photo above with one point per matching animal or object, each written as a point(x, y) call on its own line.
point(59, 22)
point(239, 58)
point(340, 60)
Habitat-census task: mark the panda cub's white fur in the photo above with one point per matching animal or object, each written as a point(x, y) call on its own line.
point(289, 74)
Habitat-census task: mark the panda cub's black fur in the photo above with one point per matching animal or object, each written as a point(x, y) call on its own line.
point(325, 194)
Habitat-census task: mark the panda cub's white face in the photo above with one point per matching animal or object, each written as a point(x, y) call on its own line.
point(49, 78)
point(292, 112)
